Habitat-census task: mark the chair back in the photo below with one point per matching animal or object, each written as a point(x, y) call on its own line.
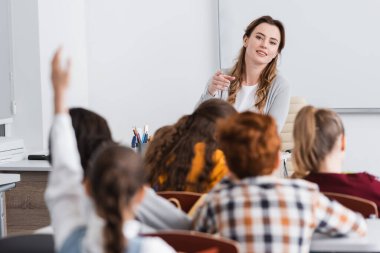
point(196, 242)
point(35, 243)
point(286, 134)
point(366, 207)
point(181, 199)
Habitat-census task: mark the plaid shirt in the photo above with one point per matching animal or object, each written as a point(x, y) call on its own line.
point(268, 214)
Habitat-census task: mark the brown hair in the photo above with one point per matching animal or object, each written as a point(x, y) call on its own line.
point(115, 176)
point(91, 131)
point(171, 152)
point(315, 134)
point(250, 143)
point(267, 75)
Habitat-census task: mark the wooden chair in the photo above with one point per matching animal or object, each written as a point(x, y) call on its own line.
point(181, 199)
point(35, 243)
point(286, 135)
point(196, 242)
point(364, 206)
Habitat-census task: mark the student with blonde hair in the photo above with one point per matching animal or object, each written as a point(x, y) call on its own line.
point(260, 211)
point(319, 150)
point(253, 83)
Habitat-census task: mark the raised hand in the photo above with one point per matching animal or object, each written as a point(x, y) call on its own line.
point(60, 77)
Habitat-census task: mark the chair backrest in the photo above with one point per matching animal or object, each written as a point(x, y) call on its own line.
point(296, 104)
point(35, 243)
point(364, 206)
point(181, 199)
point(192, 242)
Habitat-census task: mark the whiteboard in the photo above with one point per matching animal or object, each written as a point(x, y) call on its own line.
point(5, 65)
point(332, 50)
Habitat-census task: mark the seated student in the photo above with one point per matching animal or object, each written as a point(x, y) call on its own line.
point(91, 131)
point(260, 211)
point(185, 156)
point(319, 149)
point(114, 183)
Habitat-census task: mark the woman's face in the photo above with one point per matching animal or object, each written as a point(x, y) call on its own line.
point(262, 45)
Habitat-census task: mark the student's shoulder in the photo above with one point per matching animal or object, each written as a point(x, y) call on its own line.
point(219, 190)
point(364, 176)
point(301, 184)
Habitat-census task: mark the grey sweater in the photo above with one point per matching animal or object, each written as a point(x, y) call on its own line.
point(277, 104)
point(158, 213)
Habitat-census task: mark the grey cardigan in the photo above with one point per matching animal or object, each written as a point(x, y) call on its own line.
point(277, 104)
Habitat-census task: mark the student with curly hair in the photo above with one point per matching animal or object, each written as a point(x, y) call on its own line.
point(185, 156)
point(262, 212)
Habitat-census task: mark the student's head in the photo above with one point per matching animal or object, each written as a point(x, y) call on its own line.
point(91, 131)
point(115, 183)
point(263, 41)
point(250, 143)
point(172, 149)
point(317, 134)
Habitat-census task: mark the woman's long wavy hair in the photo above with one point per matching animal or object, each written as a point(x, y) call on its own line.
point(171, 152)
point(115, 175)
point(315, 133)
point(267, 75)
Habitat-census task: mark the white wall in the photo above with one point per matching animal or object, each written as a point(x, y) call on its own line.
point(39, 27)
point(5, 65)
point(363, 138)
point(149, 60)
point(26, 68)
point(62, 23)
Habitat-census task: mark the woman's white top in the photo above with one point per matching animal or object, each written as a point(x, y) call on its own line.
point(277, 104)
point(245, 99)
point(68, 205)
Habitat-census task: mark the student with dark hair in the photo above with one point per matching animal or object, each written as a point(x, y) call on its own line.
point(319, 151)
point(185, 156)
point(115, 184)
point(253, 83)
point(260, 211)
point(91, 130)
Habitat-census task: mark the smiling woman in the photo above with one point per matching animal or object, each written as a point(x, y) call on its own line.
point(253, 82)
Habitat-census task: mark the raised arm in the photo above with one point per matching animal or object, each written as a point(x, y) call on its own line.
point(64, 194)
